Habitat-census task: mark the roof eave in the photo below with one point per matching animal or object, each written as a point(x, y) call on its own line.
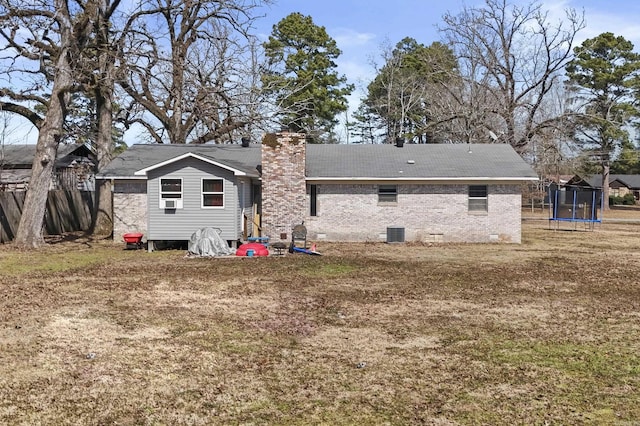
point(106, 177)
point(143, 172)
point(518, 179)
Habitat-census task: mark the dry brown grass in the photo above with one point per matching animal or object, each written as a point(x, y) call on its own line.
point(546, 332)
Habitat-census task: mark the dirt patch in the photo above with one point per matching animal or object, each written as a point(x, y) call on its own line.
point(545, 331)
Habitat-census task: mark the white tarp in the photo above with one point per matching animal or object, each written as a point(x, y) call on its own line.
point(208, 242)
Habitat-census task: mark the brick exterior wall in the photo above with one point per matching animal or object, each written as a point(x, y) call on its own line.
point(129, 209)
point(428, 213)
point(351, 212)
point(284, 202)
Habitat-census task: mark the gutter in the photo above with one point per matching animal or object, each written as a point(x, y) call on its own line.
point(121, 177)
point(418, 179)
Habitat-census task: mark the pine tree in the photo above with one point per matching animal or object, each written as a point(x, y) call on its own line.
point(604, 78)
point(302, 76)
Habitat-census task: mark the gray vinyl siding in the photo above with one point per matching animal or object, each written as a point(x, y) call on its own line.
point(245, 206)
point(180, 224)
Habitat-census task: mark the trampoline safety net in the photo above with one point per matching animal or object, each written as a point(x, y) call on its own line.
point(575, 204)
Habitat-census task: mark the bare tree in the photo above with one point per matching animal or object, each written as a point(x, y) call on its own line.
point(186, 63)
point(462, 109)
point(100, 80)
point(51, 51)
point(42, 43)
point(85, 62)
point(511, 57)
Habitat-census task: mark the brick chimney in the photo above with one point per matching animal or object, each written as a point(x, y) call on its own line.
point(284, 187)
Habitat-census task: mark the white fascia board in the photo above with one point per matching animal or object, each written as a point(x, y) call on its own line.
point(105, 177)
point(143, 172)
point(426, 180)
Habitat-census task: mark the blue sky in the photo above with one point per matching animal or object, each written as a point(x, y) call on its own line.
point(361, 27)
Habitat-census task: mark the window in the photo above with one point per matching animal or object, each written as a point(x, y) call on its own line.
point(478, 198)
point(313, 200)
point(387, 193)
point(212, 193)
point(171, 193)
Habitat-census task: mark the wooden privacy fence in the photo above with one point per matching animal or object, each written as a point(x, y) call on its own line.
point(67, 211)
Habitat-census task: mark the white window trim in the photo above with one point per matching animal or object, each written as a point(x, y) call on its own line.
point(179, 202)
point(202, 194)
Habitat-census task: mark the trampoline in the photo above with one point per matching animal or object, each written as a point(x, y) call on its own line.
point(575, 205)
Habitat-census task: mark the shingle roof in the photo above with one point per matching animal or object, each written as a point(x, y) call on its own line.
point(430, 161)
point(632, 181)
point(22, 155)
point(595, 181)
point(138, 157)
point(325, 162)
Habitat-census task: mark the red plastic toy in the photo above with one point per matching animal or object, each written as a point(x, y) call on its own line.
point(258, 249)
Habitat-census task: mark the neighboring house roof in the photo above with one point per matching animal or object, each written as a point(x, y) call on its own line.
point(416, 162)
point(592, 181)
point(558, 179)
point(595, 181)
point(146, 156)
point(346, 162)
point(10, 176)
point(21, 156)
point(631, 181)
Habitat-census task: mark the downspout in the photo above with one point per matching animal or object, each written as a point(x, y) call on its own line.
point(241, 195)
point(236, 233)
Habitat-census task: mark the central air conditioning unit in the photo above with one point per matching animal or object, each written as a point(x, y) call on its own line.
point(170, 203)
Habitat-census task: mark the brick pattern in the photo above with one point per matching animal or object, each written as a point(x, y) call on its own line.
point(284, 203)
point(429, 213)
point(351, 212)
point(129, 214)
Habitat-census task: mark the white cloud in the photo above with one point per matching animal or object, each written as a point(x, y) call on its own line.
point(557, 9)
point(356, 71)
point(347, 38)
point(619, 24)
point(600, 17)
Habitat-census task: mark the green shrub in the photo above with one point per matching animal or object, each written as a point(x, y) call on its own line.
point(626, 200)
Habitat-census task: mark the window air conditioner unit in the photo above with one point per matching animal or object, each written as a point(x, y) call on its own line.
point(170, 204)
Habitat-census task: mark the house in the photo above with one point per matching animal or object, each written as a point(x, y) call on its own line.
point(450, 193)
point(619, 185)
point(74, 167)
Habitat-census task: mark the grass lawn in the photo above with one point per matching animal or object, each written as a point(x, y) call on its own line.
point(545, 332)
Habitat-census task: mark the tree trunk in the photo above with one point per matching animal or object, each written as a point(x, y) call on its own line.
point(103, 224)
point(30, 229)
point(605, 185)
point(103, 219)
